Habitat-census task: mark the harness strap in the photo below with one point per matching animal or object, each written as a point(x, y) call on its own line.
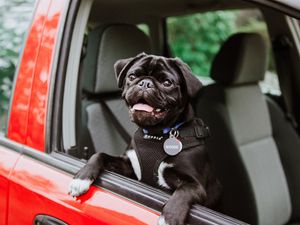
point(150, 151)
point(197, 129)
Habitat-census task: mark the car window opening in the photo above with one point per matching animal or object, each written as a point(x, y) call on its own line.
point(102, 121)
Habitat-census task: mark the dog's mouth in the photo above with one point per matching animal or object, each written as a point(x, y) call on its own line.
point(145, 109)
point(142, 106)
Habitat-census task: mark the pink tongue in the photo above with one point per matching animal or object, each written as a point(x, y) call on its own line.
point(143, 107)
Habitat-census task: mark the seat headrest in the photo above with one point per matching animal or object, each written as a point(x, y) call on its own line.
point(107, 44)
point(242, 59)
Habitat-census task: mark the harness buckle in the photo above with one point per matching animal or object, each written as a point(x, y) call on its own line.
point(202, 131)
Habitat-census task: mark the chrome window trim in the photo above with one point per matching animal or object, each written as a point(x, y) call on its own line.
point(69, 99)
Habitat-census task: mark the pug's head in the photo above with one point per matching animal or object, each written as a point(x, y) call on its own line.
point(156, 89)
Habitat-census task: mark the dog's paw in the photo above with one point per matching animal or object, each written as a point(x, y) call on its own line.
point(170, 220)
point(174, 213)
point(165, 220)
point(162, 221)
point(79, 187)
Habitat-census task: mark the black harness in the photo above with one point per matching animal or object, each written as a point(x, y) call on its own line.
point(150, 151)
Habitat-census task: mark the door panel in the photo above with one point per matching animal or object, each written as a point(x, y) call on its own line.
point(7, 161)
point(37, 188)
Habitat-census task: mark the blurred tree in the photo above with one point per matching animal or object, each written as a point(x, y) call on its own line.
point(197, 38)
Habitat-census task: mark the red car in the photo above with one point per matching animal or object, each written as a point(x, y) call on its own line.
point(54, 100)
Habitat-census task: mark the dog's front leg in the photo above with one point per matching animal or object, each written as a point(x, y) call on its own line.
point(177, 207)
point(95, 165)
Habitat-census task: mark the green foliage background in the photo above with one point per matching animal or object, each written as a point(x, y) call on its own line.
point(197, 38)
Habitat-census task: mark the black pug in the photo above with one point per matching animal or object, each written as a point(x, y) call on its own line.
point(167, 151)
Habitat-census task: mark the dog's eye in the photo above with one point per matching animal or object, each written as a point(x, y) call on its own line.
point(131, 77)
point(167, 83)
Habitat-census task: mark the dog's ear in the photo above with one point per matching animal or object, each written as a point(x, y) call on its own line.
point(123, 65)
point(193, 84)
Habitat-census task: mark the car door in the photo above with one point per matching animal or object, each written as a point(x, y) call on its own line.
point(34, 176)
point(36, 183)
point(35, 172)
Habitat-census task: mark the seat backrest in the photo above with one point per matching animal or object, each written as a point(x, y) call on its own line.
point(106, 44)
point(242, 145)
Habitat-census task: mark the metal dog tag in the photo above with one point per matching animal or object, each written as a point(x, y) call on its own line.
point(172, 146)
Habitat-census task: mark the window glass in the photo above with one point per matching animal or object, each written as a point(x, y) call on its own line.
point(15, 16)
point(197, 38)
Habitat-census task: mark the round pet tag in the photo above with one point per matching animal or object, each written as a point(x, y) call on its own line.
point(172, 146)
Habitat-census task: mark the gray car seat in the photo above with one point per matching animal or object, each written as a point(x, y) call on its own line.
point(105, 45)
point(248, 143)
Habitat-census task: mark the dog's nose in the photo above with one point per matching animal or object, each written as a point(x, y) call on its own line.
point(146, 83)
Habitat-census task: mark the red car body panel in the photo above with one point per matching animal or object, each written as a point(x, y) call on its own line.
point(7, 163)
point(36, 129)
point(31, 90)
point(43, 190)
point(32, 187)
point(18, 122)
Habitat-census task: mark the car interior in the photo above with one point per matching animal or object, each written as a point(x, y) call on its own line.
point(253, 145)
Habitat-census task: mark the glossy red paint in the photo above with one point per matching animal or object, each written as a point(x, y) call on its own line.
point(36, 131)
point(29, 106)
point(7, 163)
point(17, 129)
point(43, 190)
